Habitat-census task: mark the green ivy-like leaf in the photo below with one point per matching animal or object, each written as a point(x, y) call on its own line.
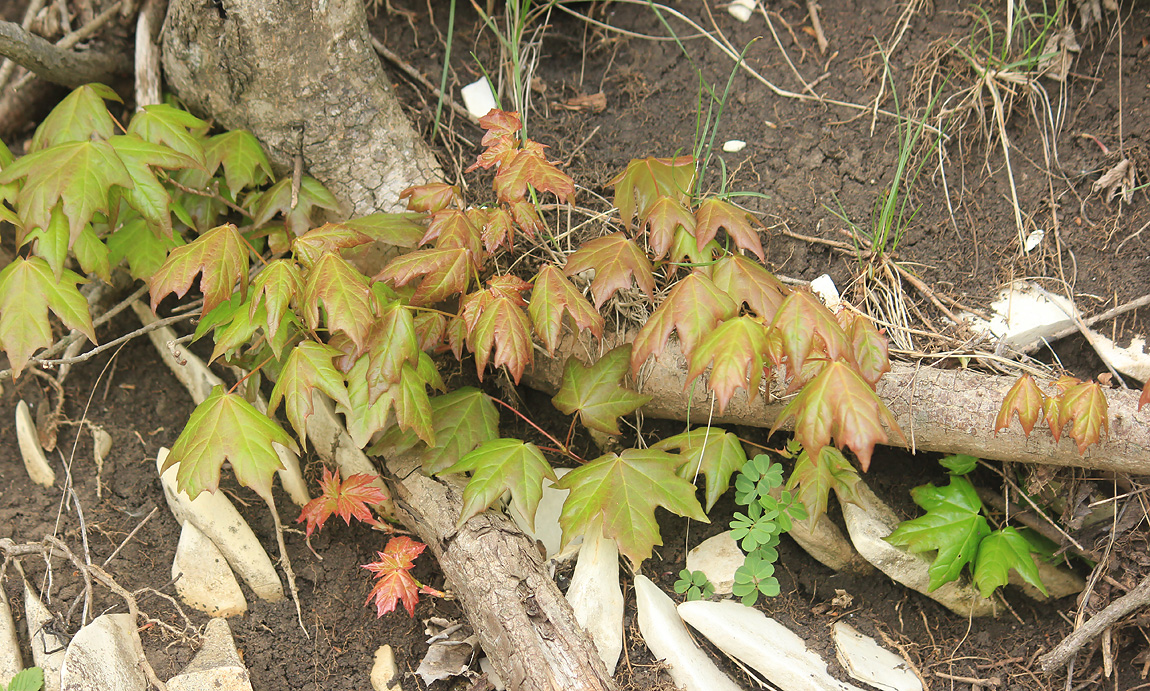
point(595, 392)
point(953, 525)
point(28, 288)
point(999, 552)
point(164, 124)
point(274, 289)
point(278, 200)
point(145, 251)
point(461, 420)
point(227, 427)
point(503, 465)
point(712, 451)
point(307, 368)
point(345, 295)
point(399, 229)
point(622, 491)
point(147, 195)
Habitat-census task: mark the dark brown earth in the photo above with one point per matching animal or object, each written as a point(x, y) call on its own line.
point(804, 158)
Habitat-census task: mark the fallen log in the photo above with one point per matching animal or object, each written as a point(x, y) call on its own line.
point(951, 411)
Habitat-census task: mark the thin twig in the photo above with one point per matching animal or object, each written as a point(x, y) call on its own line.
point(1057, 658)
point(813, 11)
point(56, 62)
point(130, 535)
point(415, 74)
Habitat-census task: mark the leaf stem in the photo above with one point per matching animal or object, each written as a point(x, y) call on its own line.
point(257, 368)
point(562, 448)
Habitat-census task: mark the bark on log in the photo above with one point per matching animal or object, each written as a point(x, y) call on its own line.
point(59, 65)
point(952, 411)
point(301, 75)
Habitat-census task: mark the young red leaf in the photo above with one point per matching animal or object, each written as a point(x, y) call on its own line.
point(503, 465)
point(870, 349)
point(800, 318)
point(714, 214)
point(227, 427)
point(504, 327)
point(736, 347)
point(28, 289)
point(645, 180)
point(453, 229)
point(527, 217)
point(529, 166)
point(1026, 399)
point(660, 222)
point(497, 229)
point(344, 499)
point(308, 368)
point(839, 404)
point(501, 139)
point(692, 309)
point(330, 237)
point(712, 451)
point(394, 582)
point(553, 297)
point(347, 300)
point(747, 282)
point(393, 343)
point(430, 198)
point(1055, 417)
point(445, 272)
point(615, 260)
point(510, 287)
point(222, 257)
point(621, 492)
point(596, 393)
point(1084, 406)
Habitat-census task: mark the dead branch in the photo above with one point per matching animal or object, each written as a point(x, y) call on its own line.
point(1056, 659)
point(57, 65)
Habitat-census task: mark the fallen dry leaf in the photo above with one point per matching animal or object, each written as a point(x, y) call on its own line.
point(596, 103)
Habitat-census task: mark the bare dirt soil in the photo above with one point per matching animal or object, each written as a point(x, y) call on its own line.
point(813, 164)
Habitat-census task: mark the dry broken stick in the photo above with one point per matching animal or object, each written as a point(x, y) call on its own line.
point(59, 65)
point(1056, 659)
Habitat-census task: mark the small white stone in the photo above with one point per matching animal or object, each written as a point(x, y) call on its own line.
point(824, 286)
point(47, 648)
point(664, 633)
point(864, 659)
point(547, 529)
point(216, 518)
point(478, 97)
point(384, 670)
point(105, 655)
point(30, 450)
point(741, 9)
point(734, 146)
point(718, 558)
point(204, 579)
point(10, 661)
point(217, 665)
point(763, 643)
point(595, 595)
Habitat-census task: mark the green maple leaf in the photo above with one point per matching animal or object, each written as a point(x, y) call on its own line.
point(529, 166)
point(445, 272)
point(407, 398)
point(1026, 399)
point(800, 318)
point(308, 368)
point(28, 288)
point(714, 214)
point(839, 404)
point(298, 217)
point(399, 229)
point(596, 393)
point(145, 251)
point(747, 282)
point(244, 161)
point(683, 250)
point(347, 299)
point(461, 421)
point(714, 452)
point(147, 195)
point(952, 525)
point(274, 289)
point(645, 180)
point(330, 237)
point(222, 257)
point(81, 116)
point(393, 344)
point(998, 553)
point(52, 241)
point(501, 465)
point(1084, 406)
point(813, 479)
point(552, 297)
point(175, 128)
point(622, 491)
point(665, 216)
point(227, 427)
point(616, 260)
point(78, 174)
point(92, 254)
point(692, 309)
point(503, 327)
point(736, 348)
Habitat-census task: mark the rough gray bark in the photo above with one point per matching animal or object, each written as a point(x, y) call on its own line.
point(302, 76)
point(952, 411)
point(59, 65)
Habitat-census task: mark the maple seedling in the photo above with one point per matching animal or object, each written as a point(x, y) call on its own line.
point(394, 582)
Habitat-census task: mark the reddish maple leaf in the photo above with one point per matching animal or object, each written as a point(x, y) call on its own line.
point(1052, 411)
point(345, 499)
point(647, 179)
point(393, 571)
point(692, 309)
point(1026, 399)
point(870, 348)
point(713, 214)
point(504, 327)
point(431, 197)
point(1084, 405)
point(529, 166)
point(527, 217)
point(445, 272)
point(799, 319)
point(552, 297)
point(453, 229)
point(746, 281)
point(660, 222)
point(615, 260)
point(736, 347)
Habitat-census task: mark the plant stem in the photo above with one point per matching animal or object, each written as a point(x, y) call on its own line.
point(562, 448)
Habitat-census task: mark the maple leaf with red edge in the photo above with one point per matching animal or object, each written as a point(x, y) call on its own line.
point(712, 451)
point(27, 290)
point(500, 141)
point(870, 348)
point(714, 214)
point(645, 180)
point(529, 166)
point(219, 255)
point(394, 582)
point(552, 297)
point(660, 222)
point(747, 282)
point(498, 229)
point(526, 217)
point(347, 299)
point(595, 392)
point(330, 237)
point(692, 309)
point(736, 347)
point(445, 272)
point(308, 368)
point(1053, 412)
point(344, 499)
point(504, 327)
point(839, 404)
point(500, 465)
point(430, 198)
point(452, 229)
point(1026, 399)
point(510, 287)
point(1084, 405)
point(800, 318)
point(616, 260)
